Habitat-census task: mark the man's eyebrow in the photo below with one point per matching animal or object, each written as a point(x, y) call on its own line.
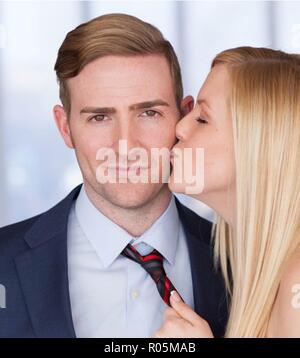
point(102, 110)
point(148, 104)
point(111, 110)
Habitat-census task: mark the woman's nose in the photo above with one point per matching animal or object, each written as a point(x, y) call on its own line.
point(181, 130)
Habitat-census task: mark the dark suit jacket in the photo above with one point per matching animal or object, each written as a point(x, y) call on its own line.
point(34, 271)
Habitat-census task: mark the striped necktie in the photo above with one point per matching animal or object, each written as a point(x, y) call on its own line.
point(153, 264)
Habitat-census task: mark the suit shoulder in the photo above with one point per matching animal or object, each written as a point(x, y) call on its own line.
point(18, 227)
point(10, 234)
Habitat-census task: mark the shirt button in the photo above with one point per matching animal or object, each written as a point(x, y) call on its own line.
point(135, 294)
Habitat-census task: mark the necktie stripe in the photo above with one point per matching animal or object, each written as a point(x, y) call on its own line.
point(167, 291)
point(153, 264)
point(152, 257)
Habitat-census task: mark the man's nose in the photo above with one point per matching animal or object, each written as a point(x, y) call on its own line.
point(127, 132)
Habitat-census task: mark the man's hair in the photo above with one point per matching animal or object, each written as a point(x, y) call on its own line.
point(112, 34)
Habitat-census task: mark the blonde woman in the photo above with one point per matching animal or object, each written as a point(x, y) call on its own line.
point(247, 119)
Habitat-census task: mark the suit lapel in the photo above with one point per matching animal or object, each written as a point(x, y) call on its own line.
point(43, 272)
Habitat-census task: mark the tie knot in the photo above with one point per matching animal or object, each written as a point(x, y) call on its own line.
point(152, 263)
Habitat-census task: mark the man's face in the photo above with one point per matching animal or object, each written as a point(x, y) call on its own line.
point(121, 98)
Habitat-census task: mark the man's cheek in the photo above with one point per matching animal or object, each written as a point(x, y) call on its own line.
point(167, 138)
point(88, 149)
point(166, 141)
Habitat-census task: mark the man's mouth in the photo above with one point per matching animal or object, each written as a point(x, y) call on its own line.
point(124, 170)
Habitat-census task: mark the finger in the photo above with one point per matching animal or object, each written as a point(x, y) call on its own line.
point(170, 313)
point(157, 334)
point(183, 309)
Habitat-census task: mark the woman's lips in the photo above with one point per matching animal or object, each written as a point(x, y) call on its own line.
point(173, 154)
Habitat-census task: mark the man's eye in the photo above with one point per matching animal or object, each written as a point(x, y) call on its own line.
point(201, 120)
point(99, 118)
point(150, 113)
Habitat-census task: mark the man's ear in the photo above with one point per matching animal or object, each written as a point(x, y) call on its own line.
point(63, 124)
point(187, 104)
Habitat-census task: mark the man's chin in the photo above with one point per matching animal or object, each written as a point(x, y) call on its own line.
point(130, 196)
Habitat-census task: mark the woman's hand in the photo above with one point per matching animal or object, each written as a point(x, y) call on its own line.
point(182, 322)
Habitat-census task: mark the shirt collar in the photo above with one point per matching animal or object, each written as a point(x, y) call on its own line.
point(108, 239)
point(164, 233)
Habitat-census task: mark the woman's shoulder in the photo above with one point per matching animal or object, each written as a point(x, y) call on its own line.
point(285, 317)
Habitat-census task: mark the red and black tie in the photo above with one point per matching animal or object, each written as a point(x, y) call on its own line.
point(153, 264)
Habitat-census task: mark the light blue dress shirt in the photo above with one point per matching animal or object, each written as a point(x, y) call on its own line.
point(112, 296)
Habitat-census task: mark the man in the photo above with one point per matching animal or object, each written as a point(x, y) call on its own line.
point(79, 270)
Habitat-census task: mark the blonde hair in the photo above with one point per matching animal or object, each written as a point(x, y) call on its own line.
point(112, 34)
point(265, 109)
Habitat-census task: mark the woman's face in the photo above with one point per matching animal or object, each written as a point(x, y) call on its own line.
point(207, 126)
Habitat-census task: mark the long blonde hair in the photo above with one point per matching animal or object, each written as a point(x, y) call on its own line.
point(265, 108)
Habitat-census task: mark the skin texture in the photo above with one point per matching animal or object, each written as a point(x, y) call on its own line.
point(119, 83)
